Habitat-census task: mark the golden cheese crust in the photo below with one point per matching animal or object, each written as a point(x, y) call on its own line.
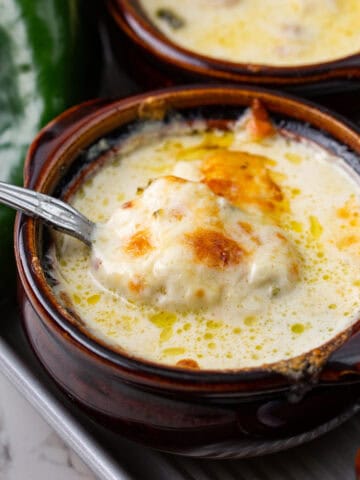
point(214, 249)
point(244, 179)
point(181, 246)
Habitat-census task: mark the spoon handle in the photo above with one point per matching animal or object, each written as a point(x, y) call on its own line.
point(52, 211)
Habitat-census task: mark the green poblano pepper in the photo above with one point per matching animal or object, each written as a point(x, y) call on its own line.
point(45, 67)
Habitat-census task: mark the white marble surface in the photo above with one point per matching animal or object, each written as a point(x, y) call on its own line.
point(29, 448)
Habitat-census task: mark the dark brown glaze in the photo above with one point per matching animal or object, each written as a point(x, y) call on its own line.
point(157, 61)
point(185, 410)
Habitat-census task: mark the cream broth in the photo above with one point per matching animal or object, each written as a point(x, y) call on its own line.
point(285, 279)
point(279, 32)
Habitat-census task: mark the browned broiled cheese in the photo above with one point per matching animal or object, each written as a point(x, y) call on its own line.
point(243, 179)
point(186, 248)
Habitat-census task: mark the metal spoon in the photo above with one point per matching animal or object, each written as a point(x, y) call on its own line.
point(52, 211)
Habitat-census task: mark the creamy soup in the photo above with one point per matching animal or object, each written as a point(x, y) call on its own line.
point(216, 249)
point(276, 32)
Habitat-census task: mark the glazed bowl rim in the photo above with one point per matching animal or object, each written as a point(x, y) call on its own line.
point(26, 230)
point(130, 17)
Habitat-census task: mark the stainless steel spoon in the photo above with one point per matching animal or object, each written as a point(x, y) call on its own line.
point(52, 211)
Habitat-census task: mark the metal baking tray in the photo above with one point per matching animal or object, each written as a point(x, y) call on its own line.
point(113, 457)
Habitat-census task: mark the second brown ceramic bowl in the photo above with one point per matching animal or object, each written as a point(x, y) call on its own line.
point(203, 413)
point(157, 61)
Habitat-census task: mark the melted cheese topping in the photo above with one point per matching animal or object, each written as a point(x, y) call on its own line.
point(253, 257)
point(280, 32)
point(180, 247)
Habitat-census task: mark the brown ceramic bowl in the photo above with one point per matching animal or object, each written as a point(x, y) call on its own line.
point(201, 413)
point(157, 61)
